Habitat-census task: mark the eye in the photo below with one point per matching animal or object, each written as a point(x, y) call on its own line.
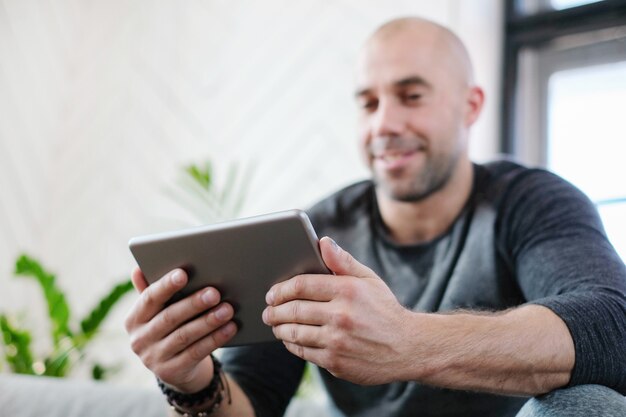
point(368, 104)
point(411, 98)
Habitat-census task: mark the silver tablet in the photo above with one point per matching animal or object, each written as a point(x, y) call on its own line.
point(241, 258)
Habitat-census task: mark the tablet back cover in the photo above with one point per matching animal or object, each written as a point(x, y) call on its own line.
point(241, 258)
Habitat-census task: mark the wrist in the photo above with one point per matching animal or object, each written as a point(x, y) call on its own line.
point(201, 403)
point(439, 344)
point(418, 352)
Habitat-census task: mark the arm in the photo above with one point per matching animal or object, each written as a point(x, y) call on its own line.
point(553, 240)
point(524, 351)
point(175, 341)
point(352, 325)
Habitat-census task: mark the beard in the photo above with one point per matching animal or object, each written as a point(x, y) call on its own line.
point(432, 177)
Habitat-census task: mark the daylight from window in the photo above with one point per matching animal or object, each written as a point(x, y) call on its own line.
point(566, 4)
point(587, 139)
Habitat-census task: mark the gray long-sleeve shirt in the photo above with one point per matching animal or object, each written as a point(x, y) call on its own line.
point(524, 236)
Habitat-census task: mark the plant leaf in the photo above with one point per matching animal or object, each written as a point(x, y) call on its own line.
point(58, 309)
point(198, 200)
point(90, 324)
point(17, 347)
point(100, 372)
point(202, 176)
point(60, 362)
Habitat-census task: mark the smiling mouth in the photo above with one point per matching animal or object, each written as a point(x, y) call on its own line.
point(394, 156)
point(396, 161)
point(395, 153)
point(395, 149)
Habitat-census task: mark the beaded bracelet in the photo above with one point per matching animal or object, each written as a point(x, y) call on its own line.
point(215, 390)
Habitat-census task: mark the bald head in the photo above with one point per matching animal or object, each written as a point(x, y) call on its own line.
point(435, 40)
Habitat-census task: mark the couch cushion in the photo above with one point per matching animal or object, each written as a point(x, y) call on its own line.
point(27, 396)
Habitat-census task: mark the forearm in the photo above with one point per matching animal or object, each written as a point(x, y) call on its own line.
point(239, 404)
point(525, 351)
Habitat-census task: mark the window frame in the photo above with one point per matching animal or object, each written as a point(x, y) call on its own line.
point(535, 30)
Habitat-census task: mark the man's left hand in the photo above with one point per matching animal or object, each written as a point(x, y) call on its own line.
point(350, 323)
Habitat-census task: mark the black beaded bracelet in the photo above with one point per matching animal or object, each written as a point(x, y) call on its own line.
point(215, 390)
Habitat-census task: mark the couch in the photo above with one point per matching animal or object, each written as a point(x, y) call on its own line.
point(28, 396)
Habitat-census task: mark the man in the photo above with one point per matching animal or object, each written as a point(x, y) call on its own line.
point(484, 285)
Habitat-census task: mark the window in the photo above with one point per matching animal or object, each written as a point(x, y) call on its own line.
point(564, 95)
point(528, 7)
point(586, 140)
point(566, 4)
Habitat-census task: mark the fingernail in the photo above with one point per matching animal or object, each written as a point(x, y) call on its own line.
point(265, 316)
point(228, 329)
point(335, 246)
point(269, 297)
point(178, 277)
point(209, 297)
point(222, 313)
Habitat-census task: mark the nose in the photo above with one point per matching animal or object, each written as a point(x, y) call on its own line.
point(388, 120)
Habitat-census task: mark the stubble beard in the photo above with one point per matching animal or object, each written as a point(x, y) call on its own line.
point(432, 177)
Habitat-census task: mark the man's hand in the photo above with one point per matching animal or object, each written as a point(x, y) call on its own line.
point(175, 342)
point(350, 323)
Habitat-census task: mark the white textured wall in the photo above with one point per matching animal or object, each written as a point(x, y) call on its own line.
point(102, 101)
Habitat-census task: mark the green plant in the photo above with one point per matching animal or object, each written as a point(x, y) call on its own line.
point(200, 194)
point(68, 342)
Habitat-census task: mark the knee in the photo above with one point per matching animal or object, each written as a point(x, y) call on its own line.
point(582, 400)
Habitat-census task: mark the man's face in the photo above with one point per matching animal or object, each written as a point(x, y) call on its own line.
point(412, 115)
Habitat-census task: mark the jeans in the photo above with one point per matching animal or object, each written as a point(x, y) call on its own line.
point(579, 401)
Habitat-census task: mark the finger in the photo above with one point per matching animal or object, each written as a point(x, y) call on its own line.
point(185, 336)
point(303, 287)
point(309, 336)
point(297, 311)
point(341, 262)
point(138, 280)
point(311, 354)
point(207, 345)
point(173, 316)
point(154, 297)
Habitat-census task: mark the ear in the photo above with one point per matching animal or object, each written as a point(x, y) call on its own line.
point(475, 101)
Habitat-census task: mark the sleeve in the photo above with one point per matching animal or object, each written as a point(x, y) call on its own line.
point(267, 373)
point(563, 261)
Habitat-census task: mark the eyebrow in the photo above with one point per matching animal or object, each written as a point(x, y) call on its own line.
point(404, 82)
point(414, 80)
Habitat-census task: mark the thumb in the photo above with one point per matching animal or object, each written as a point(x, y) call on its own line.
point(341, 262)
point(138, 279)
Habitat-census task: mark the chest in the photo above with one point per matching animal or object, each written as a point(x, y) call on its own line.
point(460, 270)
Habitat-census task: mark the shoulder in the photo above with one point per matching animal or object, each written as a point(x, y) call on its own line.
point(508, 185)
point(534, 205)
point(343, 207)
point(497, 177)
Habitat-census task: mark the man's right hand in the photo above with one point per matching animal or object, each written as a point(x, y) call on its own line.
point(175, 342)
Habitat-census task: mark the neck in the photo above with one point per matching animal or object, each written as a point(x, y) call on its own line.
point(427, 219)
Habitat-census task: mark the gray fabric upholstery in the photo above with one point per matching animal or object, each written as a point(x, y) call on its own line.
point(26, 396)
